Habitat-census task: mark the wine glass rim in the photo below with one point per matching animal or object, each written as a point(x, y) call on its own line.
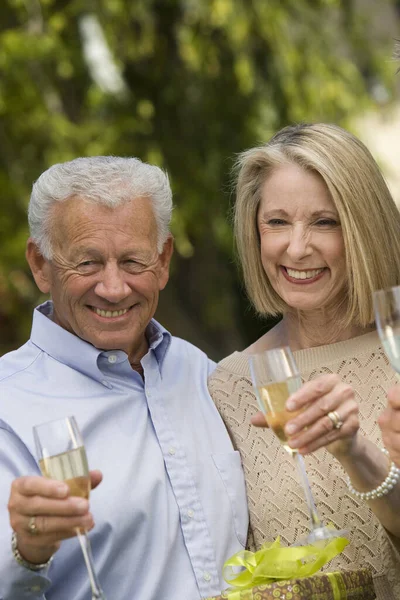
point(286, 348)
point(280, 358)
point(393, 288)
point(70, 418)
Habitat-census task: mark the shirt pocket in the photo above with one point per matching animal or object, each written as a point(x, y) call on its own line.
point(229, 466)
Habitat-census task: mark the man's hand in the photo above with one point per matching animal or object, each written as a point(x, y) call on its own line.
point(57, 514)
point(389, 422)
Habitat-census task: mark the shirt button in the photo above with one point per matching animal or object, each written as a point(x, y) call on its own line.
point(190, 513)
point(206, 576)
point(172, 451)
point(112, 358)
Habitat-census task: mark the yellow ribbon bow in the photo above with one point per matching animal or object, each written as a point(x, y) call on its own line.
point(273, 562)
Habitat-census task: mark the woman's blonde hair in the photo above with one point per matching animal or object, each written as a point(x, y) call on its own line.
point(369, 217)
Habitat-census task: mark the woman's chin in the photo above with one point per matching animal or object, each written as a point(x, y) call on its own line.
point(303, 306)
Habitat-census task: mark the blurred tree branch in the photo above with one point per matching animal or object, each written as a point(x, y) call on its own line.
point(202, 80)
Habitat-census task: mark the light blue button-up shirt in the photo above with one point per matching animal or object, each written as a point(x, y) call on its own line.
point(172, 506)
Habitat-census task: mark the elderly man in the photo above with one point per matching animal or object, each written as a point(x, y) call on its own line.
point(171, 507)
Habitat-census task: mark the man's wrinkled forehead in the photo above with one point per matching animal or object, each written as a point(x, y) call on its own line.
point(77, 219)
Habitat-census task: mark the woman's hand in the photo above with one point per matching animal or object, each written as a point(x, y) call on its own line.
point(389, 422)
point(362, 460)
point(312, 428)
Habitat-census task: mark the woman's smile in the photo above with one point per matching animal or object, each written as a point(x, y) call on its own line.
point(304, 276)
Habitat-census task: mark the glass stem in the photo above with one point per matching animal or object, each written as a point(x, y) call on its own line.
point(97, 593)
point(315, 520)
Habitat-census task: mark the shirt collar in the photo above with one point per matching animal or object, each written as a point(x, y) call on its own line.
point(159, 340)
point(74, 352)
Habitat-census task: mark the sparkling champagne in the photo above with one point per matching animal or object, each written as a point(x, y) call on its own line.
point(70, 467)
point(272, 398)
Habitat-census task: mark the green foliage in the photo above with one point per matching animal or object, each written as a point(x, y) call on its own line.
point(199, 81)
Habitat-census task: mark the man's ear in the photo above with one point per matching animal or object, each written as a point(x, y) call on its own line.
point(39, 265)
point(165, 259)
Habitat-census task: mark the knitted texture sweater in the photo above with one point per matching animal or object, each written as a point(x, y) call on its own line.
point(276, 500)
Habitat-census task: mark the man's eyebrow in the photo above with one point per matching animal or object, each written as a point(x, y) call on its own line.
point(88, 252)
point(85, 251)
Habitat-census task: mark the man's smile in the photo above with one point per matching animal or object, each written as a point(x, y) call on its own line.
point(110, 314)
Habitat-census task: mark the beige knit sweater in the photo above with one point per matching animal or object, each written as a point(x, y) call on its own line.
point(276, 500)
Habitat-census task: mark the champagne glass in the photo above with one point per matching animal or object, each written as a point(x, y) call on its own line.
point(62, 456)
point(275, 377)
point(387, 317)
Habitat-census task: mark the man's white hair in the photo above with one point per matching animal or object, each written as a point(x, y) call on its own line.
point(106, 180)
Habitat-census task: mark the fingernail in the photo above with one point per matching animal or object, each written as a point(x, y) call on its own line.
point(290, 405)
point(291, 428)
point(62, 490)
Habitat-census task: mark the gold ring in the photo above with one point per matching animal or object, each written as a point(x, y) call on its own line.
point(32, 527)
point(335, 419)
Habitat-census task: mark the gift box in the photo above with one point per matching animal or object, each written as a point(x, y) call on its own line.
point(345, 585)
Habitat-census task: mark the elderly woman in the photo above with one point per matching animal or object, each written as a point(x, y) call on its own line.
point(317, 232)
